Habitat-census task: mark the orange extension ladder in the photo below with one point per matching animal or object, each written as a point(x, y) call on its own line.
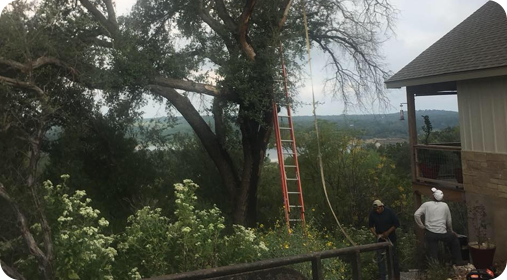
point(286, 148)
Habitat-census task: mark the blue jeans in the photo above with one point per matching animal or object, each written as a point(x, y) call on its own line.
point(382, 259)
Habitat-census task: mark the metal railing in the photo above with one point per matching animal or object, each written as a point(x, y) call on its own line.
point(439, 163)
point(352, 253)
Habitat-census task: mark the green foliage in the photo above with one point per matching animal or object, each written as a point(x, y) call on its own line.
point(168, 39)
point(355, 176)
point(408, 253)
point(399, 153)
point(151, 245)
point(446, 135)
point(315, 238)
point(366, 126)
point(478, 216)
point(106, 163)
point(437, 271)
point(302, 241)
point(427, 128)
point(83, 249)
point(362, 236)
point(459, 217)
point(179, 161)
point(145, 244)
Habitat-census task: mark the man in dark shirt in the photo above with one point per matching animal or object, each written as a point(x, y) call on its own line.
point(383, 224)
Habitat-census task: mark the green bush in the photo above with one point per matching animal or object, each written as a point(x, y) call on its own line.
point(152, 246)
point(407, 250)
point(302, 241)
point(437, 271)
point(82, 248)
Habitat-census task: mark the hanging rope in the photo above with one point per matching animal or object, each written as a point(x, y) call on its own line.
point(308, 49)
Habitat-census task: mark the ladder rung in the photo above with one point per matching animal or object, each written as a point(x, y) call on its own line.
point(288, 153)
point(290, 166)
point(286, 140)
point(292, 179)
point(295, 206)
point(293, 192)
point(295, 220)
point(286, 128)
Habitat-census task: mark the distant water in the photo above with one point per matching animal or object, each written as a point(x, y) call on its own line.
point(273, 156)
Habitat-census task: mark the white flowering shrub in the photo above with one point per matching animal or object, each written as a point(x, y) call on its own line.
point(242, 246)
point(144, 247)
point(82, 249)
point(151, 245)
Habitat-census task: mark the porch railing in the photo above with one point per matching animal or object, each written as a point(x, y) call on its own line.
point(439, 163)
point(352, 254)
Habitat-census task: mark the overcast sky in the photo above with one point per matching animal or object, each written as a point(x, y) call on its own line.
point(419, 25)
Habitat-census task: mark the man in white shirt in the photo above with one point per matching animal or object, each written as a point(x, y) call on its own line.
point(438, 227)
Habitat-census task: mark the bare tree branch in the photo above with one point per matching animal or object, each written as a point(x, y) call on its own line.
point(209, 140)
point(98, 42)
point(11, 272)
point(111, 15)
point(32, 168)
point(111, 27)
point(352, 45)
point(367, 73)
point(91, 37)
point(224, 15)
point(285, 14)
point(12, 64)
point(214, 24)
point(34, 249)
point(18, 83)
point(39, 62)
point(243, 29)
point(46, 60)
point(193, 87)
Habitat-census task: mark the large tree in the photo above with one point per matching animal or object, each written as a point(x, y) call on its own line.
point(225, 50)
point(36, 94)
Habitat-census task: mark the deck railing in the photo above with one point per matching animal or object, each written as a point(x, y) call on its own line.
point(351, 254)
point(439, 163)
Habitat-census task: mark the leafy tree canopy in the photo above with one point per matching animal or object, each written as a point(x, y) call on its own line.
point(226, 51)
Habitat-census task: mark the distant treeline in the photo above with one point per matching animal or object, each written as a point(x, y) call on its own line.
point(367, 126)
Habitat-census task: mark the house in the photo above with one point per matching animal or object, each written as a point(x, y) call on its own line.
point(471, 62)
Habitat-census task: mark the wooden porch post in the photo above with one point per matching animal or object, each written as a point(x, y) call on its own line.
point(412, 131)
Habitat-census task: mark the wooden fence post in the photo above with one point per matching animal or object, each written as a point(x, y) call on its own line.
point(317, 269)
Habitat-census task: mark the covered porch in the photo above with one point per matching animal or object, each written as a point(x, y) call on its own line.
point(433, 164)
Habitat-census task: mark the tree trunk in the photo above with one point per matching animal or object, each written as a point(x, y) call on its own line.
point(245, 208)
point(46, 262)
point(255, 141)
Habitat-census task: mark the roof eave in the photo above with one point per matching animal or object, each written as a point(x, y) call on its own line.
point(450, 77)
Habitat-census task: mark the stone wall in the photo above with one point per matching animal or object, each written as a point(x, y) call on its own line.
point(485, 182)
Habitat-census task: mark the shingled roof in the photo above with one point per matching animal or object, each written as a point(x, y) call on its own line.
point(479, 42)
